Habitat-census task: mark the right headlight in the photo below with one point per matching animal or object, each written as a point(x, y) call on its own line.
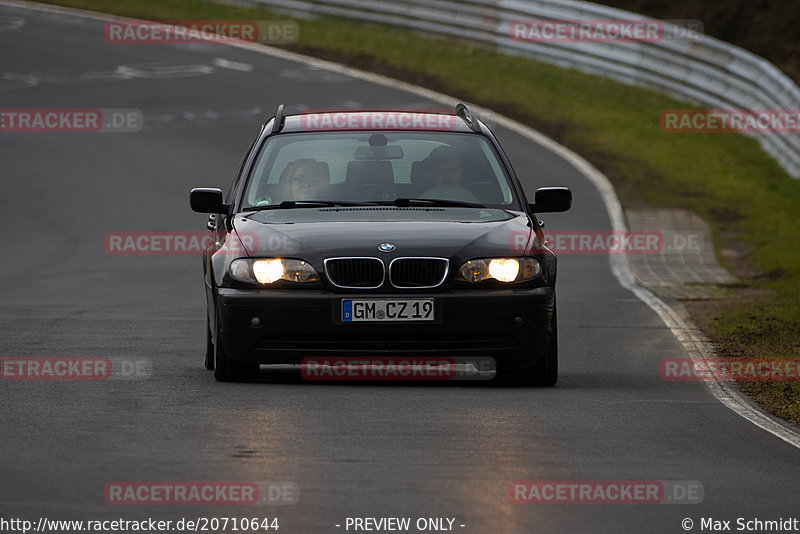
point(270, 270)
point(505, 270)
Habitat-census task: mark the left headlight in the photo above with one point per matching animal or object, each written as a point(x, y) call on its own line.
point(501, 269)
point(271, 270)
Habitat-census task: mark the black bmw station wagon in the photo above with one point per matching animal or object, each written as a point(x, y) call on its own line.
point(379, 235)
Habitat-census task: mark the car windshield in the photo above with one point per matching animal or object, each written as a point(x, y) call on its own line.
point(377, 167)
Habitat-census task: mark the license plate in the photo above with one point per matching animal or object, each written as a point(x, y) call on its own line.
point(387, 310)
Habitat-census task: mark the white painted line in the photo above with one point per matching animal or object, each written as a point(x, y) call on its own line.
point(695, 343)
point(232, 65)
point(11, 23)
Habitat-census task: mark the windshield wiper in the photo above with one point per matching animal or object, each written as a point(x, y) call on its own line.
point(402, 202)
point(288, 204)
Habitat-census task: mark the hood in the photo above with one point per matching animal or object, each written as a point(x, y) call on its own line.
point(314, 234)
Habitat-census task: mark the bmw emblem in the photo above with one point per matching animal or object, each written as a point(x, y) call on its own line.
point(386, 247)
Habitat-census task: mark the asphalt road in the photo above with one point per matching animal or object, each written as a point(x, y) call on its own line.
point(351, 450)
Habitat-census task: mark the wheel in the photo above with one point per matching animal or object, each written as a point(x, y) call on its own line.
point(227, 370)
point(545, 373)
point(209, 363)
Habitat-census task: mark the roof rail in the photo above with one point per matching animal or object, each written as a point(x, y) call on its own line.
point(280, 120)
point(464, 111)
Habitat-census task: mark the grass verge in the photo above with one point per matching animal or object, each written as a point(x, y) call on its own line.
point(752, 205)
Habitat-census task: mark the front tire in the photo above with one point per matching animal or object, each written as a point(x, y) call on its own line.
point(545, 373)
point(227, 370)
point(209, 363)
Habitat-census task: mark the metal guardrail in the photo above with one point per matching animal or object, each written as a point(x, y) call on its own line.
point(697, 68)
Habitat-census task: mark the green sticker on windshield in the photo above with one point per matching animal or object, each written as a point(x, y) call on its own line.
point(266, 200)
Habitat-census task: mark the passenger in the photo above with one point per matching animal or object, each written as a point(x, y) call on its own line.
point(444, 166)
point(303, 179)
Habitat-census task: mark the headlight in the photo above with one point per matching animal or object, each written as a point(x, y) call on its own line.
point(501, 269)
point(271, 270)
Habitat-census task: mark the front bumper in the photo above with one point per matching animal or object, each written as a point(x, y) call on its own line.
point(513, 326)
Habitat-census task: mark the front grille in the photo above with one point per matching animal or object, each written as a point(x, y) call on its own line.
point(418, 272)
point(359, 273)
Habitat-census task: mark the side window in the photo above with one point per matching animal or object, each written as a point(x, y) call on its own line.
point(499, 175)
point(238, 177)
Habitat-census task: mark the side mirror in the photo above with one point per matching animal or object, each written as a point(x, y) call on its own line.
point(207, 200)
point(551, 199)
